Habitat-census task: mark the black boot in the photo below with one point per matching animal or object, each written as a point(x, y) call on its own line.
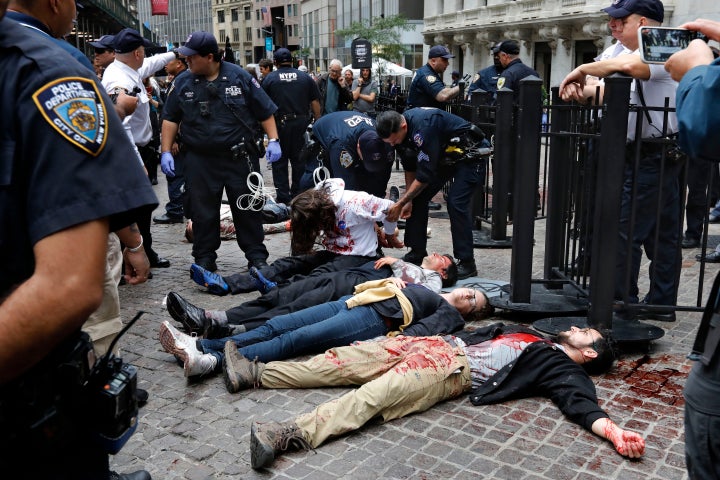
point(466, 269)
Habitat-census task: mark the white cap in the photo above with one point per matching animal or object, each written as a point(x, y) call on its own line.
point(302, 68)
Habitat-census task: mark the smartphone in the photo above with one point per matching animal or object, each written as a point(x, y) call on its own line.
point(658, 43)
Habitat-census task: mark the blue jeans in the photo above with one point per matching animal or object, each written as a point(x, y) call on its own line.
point(314, 329)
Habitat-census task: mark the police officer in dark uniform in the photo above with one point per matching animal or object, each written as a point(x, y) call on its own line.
point(427, 88)
point(295, 94)
point(347, 144)
point(486, 78)
point(428, 133)
point(218, 105)
point(514, 69)
point(68, 178)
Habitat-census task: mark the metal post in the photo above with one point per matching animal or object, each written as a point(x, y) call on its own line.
point(558, 184)
point(525, 186)
point(503, 157)
point(608, 194)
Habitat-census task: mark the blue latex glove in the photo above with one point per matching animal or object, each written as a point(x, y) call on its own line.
point(273, 152)
point(167, 164)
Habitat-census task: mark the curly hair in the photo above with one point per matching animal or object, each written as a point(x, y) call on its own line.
point(312, 212)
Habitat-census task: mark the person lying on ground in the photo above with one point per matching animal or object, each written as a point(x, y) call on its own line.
point(382, 307)
point(401, 375)
point(437, 271)
point(342, 221)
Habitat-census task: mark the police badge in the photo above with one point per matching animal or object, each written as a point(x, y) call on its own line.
point(346, 160)
point(431, 78)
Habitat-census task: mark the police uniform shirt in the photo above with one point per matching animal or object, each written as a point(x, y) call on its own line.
point(513, 73)
point(210, 112)
point(291, 90)
point(424, 88)
point(120, 75)
point(429, 130)
point(659, 86)
point(485, 79)
point(64, 152)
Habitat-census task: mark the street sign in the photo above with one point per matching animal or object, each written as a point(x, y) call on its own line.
point(361, 52)
point(269, 44)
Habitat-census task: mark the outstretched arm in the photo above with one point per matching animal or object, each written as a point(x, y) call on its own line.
point(627, 443)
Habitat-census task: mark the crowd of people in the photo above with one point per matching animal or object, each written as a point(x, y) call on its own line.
point(393, 327)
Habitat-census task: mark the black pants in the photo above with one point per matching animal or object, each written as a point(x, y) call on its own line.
point(698, 181)
point(291, 133)
point(208, 174)
point(303, 293)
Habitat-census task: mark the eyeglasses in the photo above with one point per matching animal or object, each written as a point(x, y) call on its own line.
point(473, 300)
point(335, 71)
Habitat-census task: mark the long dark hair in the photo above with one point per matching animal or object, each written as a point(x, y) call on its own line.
point(311, 213)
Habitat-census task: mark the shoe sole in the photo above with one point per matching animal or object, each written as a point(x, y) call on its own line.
point(261, 455)
point(229, 373)
point(169, 344)
point(199, 278)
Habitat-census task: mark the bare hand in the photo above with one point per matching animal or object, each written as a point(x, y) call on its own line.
point(572, 86)
point(710, 28)
point(393, 213)
point(381, 262)
point(629, 444)
point(398, 282)
point(137, 266)
point(696, 54)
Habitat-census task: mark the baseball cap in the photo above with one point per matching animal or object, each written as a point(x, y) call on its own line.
point(104, 42)
point(440, 51)
point(128, 40)
point(282, 55)
point(511, 47)
point(373, 151)
point(455, 73)
point(199, 43)
point(652, 9)
point(302, 68)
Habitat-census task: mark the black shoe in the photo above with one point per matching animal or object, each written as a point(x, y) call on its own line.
point(712, 257)
point(257, 263)
point(139, 475)
point(434, 206)
point(466, 269)
point(165, 218)
point(159, 262)
point(689, 242)
point(153, 181)
point(193, 318)
point(415, 257)
point(658, 316)
point(394, 194)
point(141, 395)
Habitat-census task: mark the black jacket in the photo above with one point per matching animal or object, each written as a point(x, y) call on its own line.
point(542, 370)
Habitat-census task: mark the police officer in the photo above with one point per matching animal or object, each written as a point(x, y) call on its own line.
point(486, 78)
point(353, 151)
point(427, 88)
point(218, 106)
point(514, 69)
point(295, 94)
point(57, 128)
point(427, 132)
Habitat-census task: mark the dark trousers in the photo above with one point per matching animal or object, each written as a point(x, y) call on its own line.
point(176, 188)
point(656, 206)
point(698, 181)
point(291, 141)
point(467, 177)
point(296, 267)
point(208, 175)
point(149, 155)
point(303, 293)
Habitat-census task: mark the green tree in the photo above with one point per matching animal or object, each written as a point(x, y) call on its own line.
point(382, 32)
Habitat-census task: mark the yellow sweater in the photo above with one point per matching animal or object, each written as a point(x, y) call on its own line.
point(378, 290)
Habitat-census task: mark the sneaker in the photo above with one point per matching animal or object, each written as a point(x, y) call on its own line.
point(239, 372)
point(394, 194)
point(212, 281)
point(263, 284)
point(184, 347)
point(466, 269)
point(268, 440)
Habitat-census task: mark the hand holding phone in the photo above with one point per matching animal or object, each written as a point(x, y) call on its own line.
point(657, 44)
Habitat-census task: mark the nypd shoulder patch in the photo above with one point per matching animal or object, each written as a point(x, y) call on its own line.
point(73, 106)
point(346, 160)
point(431, 78)
point(500, 82)
point(418, 139)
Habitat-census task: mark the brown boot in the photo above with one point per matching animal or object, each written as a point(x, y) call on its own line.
point(239, 372)
point(268, 440)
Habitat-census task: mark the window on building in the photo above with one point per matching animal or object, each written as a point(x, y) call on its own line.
point(248, 34)
point(222, 36)
point(221, 16)
point(235, 34)
point(234, 15)
point(248, 13)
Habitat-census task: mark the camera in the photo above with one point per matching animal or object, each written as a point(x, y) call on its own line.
point(657, 44)
point(117, 90)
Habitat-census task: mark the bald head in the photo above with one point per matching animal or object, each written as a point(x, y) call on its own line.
point(57, 15)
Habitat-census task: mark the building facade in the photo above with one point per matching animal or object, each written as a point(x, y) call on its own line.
point(184, 17)
point(555, 35)
point(233, 27)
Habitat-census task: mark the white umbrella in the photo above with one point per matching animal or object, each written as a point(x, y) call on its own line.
point(382, 67)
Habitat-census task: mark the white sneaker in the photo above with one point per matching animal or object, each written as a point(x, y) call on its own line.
point(184, 347)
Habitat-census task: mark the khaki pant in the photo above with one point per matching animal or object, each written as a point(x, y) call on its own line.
point(398, 376)
point(104, 323)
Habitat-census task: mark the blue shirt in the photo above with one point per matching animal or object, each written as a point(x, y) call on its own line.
point(696, 100)
point(425, 86)
point(291, 90)
point(485, 79)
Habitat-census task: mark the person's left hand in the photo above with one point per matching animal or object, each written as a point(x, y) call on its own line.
point(400, 283)
point(696, 54)
point(273, 152)
point(629, 444)
point(380, 262)
point(137, 266)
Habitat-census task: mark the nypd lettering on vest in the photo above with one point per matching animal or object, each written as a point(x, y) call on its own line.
point(233, 91)
point(356, 120)
point(288, 76)
point(73, 106)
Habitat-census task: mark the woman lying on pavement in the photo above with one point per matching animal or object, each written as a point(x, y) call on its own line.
point(382, 307)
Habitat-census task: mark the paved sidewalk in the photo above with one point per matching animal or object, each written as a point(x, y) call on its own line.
point(199, 431)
